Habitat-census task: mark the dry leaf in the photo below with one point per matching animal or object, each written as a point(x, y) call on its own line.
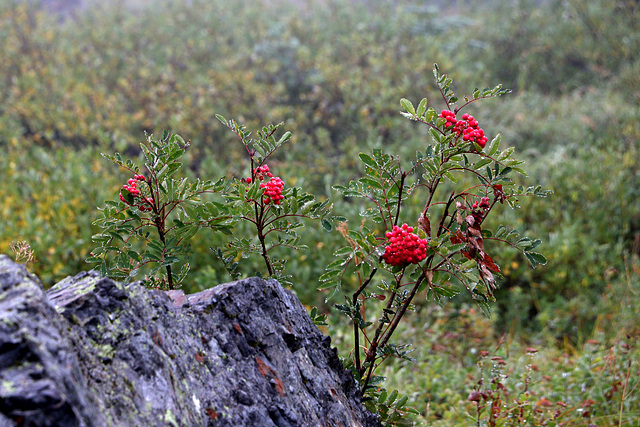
point(424, 224)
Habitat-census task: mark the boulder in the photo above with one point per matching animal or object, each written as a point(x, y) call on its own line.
point(94, 352)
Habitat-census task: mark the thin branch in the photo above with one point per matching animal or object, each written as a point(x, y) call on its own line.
point(403, 175)
point(473, 100)
point(445, 214)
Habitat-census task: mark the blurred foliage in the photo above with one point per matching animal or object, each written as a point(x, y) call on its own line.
point(561, 46)
point(49, 201)
point(113, 73)
point(334, 71)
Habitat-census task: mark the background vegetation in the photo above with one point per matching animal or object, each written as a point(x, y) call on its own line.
point(97, 78)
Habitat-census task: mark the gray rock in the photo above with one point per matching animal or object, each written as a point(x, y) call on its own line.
point(94, 352)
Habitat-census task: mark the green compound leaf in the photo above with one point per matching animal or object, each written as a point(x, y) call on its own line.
point(535, 258)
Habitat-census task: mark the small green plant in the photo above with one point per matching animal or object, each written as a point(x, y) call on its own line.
point(156, 216)
point(157, 213)
point(261, 199)
point(444, 252)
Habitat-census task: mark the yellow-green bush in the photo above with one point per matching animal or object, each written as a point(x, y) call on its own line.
point(49, 199)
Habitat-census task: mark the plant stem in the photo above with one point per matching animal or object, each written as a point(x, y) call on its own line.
point(445, 214)
point(394, 325)
point(371, 351)
point(356, 331)
point(161, 233)
point(261, 237)
point(264, 252)
point(403, 175)
point(170, 277)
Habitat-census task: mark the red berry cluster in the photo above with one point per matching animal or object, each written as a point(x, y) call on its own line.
point(273, 190)
point(260, 173)
point(404, 247)
point(470, 131)
point(132, 187)
point(484, 203)
point(479, 209)
point(467, 127)
point(450, 117)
